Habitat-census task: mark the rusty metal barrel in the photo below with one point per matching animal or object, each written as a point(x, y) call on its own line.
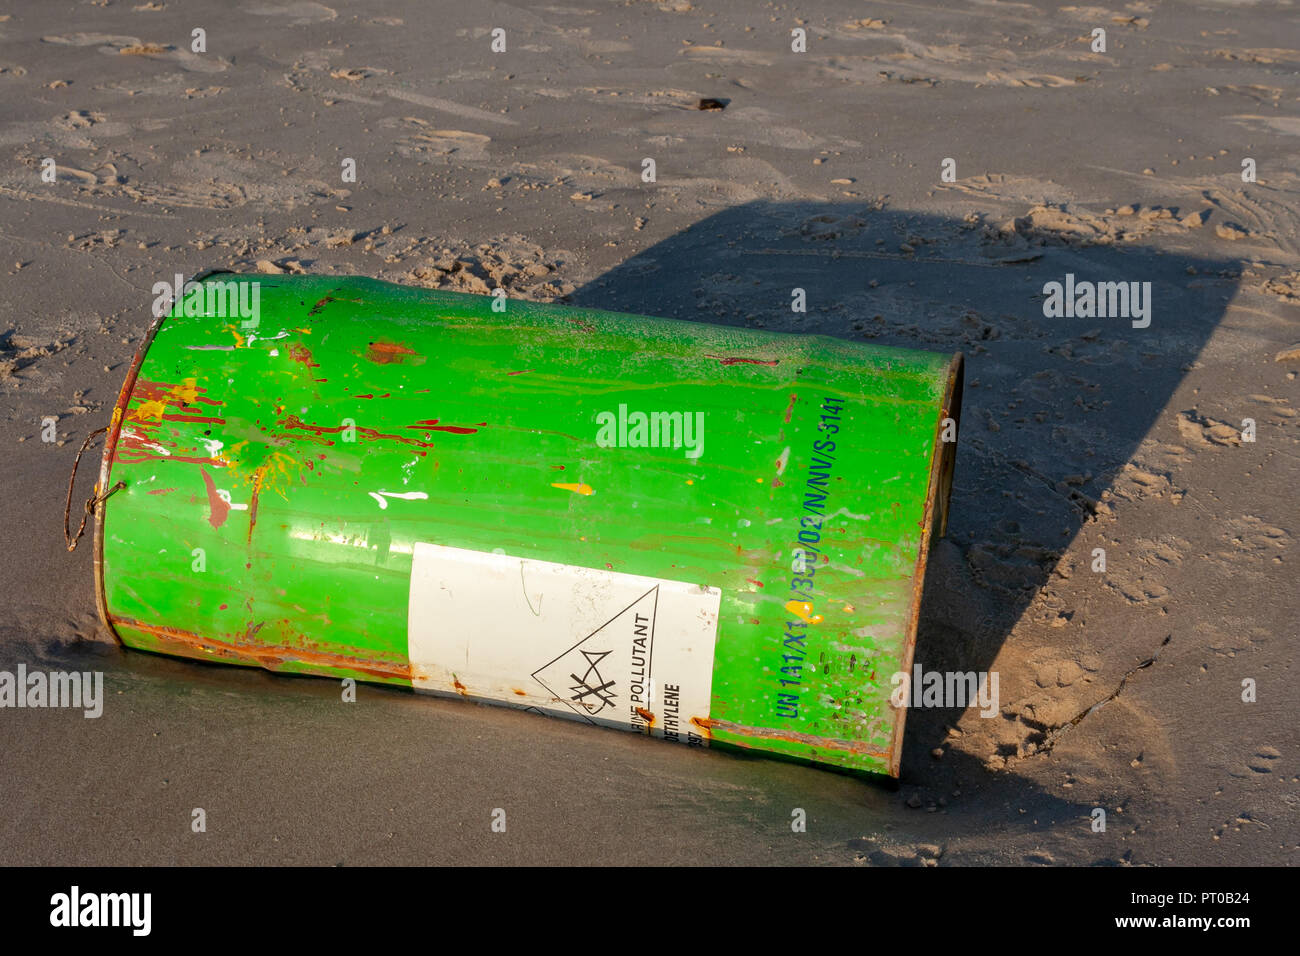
point(708, 535)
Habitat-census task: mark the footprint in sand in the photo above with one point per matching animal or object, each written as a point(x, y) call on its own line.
point(133, 46)
point(1255, 537)
point(299, 14)
point(1140, 591)
point(1264, 760)
point(1206, 432)
point(1135, 483)
point(422, 140)
point(1167, 553)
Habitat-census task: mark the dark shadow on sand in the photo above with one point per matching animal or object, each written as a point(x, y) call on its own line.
point(1053, 408)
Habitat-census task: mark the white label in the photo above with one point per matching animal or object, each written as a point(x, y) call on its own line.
point(614, 649)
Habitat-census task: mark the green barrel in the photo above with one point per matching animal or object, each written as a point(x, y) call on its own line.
point(704, 534)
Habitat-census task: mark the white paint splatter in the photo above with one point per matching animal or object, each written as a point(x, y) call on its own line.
point(381, 496)
point(224, 495)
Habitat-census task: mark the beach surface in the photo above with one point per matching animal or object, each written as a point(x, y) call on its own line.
point(924, 171)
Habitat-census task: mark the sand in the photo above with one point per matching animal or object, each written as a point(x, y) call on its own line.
point(523, 169)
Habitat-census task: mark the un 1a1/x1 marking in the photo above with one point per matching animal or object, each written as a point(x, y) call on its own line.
point(794, 647)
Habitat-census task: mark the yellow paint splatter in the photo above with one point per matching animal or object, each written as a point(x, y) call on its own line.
point(184, 393)
point(154, 408)
point(804, 611)
point(690, 481)
point(275, 472)
point(579, 489)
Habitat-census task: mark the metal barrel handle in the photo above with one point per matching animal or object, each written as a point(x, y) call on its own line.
point(92, 502)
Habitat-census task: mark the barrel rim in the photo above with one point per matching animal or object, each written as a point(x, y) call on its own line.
point(934, 516)
point(110, 447)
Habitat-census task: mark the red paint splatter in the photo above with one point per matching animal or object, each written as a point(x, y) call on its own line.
point(320, 304)
point(735, 360)
point(161, 491)
point(157, 391)
point(194, 418)
point(133, 448)
point(790, 408)
point(293, 421)
point(752, 581)
point(252, 505)
point(219, 510)
point(431, 425)
point(520, 372)
point(300, 353)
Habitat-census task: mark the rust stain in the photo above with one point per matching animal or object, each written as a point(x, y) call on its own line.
point(392, 353)
point(520, 692)
point(737, 360)
point(648, 717)
point(270, 656)
point(321, 303)
point(252, 504)
point(789, 410)
point(460, 688)
point(160, 491)
point(787, 736)
point(219, 510)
